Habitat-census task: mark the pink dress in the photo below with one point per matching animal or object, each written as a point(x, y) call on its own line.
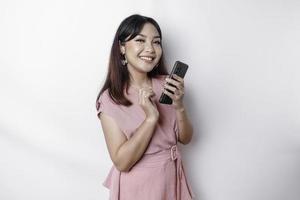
point(159, 175)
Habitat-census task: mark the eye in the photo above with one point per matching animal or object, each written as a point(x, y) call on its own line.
point(140, 40)
point(157, 42)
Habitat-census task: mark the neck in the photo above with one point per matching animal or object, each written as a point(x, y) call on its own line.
point(140, 81)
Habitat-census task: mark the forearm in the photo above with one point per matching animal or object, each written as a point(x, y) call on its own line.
point(133, 149)
point(184, 125)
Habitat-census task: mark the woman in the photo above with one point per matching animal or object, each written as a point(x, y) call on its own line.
point(141, 134)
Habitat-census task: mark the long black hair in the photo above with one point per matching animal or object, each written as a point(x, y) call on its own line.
point(117, 78)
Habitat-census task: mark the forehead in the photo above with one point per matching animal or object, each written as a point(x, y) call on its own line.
point(149, 30)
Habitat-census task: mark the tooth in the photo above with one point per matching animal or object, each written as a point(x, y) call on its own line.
point(147, 58)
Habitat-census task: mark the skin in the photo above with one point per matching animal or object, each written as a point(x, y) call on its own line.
point(126, 152)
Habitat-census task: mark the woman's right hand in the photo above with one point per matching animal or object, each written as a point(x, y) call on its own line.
point(149, 107)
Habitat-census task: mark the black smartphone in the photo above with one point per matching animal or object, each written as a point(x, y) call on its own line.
point(179, 69)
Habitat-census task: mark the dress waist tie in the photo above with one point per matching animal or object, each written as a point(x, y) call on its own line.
point(183, 190)
point(182, 185)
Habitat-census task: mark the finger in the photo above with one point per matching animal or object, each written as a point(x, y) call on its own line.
point(173, 82)
point(172, 88)
point(152, 94)
point(177, 93)
point(147, 89)
point(178, 78)
point(169, 94)
point(147, 95)
point(179, 88)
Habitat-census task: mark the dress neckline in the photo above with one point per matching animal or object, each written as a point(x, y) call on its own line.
point(135, 90)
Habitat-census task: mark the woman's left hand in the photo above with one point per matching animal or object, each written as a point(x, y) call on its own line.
point(178, 90)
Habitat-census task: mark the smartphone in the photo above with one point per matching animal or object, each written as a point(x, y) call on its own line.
point(179, 69)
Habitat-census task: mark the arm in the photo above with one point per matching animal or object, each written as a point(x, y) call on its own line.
point(126, 152)
point(185, 127)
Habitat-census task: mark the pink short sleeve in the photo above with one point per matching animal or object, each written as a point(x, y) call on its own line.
point(106, 105)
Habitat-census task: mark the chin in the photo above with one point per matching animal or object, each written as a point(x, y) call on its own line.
point(144, 67)
point(148, 67)
point(146, 70)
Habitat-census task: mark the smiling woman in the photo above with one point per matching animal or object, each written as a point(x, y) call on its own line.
point(141, 134)
point(144, 50)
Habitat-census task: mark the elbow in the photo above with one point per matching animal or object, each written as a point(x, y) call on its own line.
point(122, 163)
point(187, 138)
point(186, 141)
point(122, 166)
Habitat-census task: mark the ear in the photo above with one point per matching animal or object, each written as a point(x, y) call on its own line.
point(122, 47)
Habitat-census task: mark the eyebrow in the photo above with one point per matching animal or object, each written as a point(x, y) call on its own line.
point(146, 36)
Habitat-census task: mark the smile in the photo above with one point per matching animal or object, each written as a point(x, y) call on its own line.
point(147, 58)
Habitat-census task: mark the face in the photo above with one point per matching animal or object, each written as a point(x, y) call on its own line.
point(144, 51)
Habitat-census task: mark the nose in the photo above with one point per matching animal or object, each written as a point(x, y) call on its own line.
point(149, 47)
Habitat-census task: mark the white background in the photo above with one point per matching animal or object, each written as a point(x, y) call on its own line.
point(242, 94)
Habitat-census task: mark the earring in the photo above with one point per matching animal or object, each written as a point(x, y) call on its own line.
point(124, 61)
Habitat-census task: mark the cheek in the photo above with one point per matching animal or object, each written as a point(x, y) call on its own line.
point(159, 52)
point(133, 48)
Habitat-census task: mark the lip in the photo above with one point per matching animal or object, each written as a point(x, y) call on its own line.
point(152, 58)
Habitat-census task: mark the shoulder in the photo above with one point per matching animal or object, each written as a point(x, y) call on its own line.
point(106, 104)
point(104, 95)
point(105, 98)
